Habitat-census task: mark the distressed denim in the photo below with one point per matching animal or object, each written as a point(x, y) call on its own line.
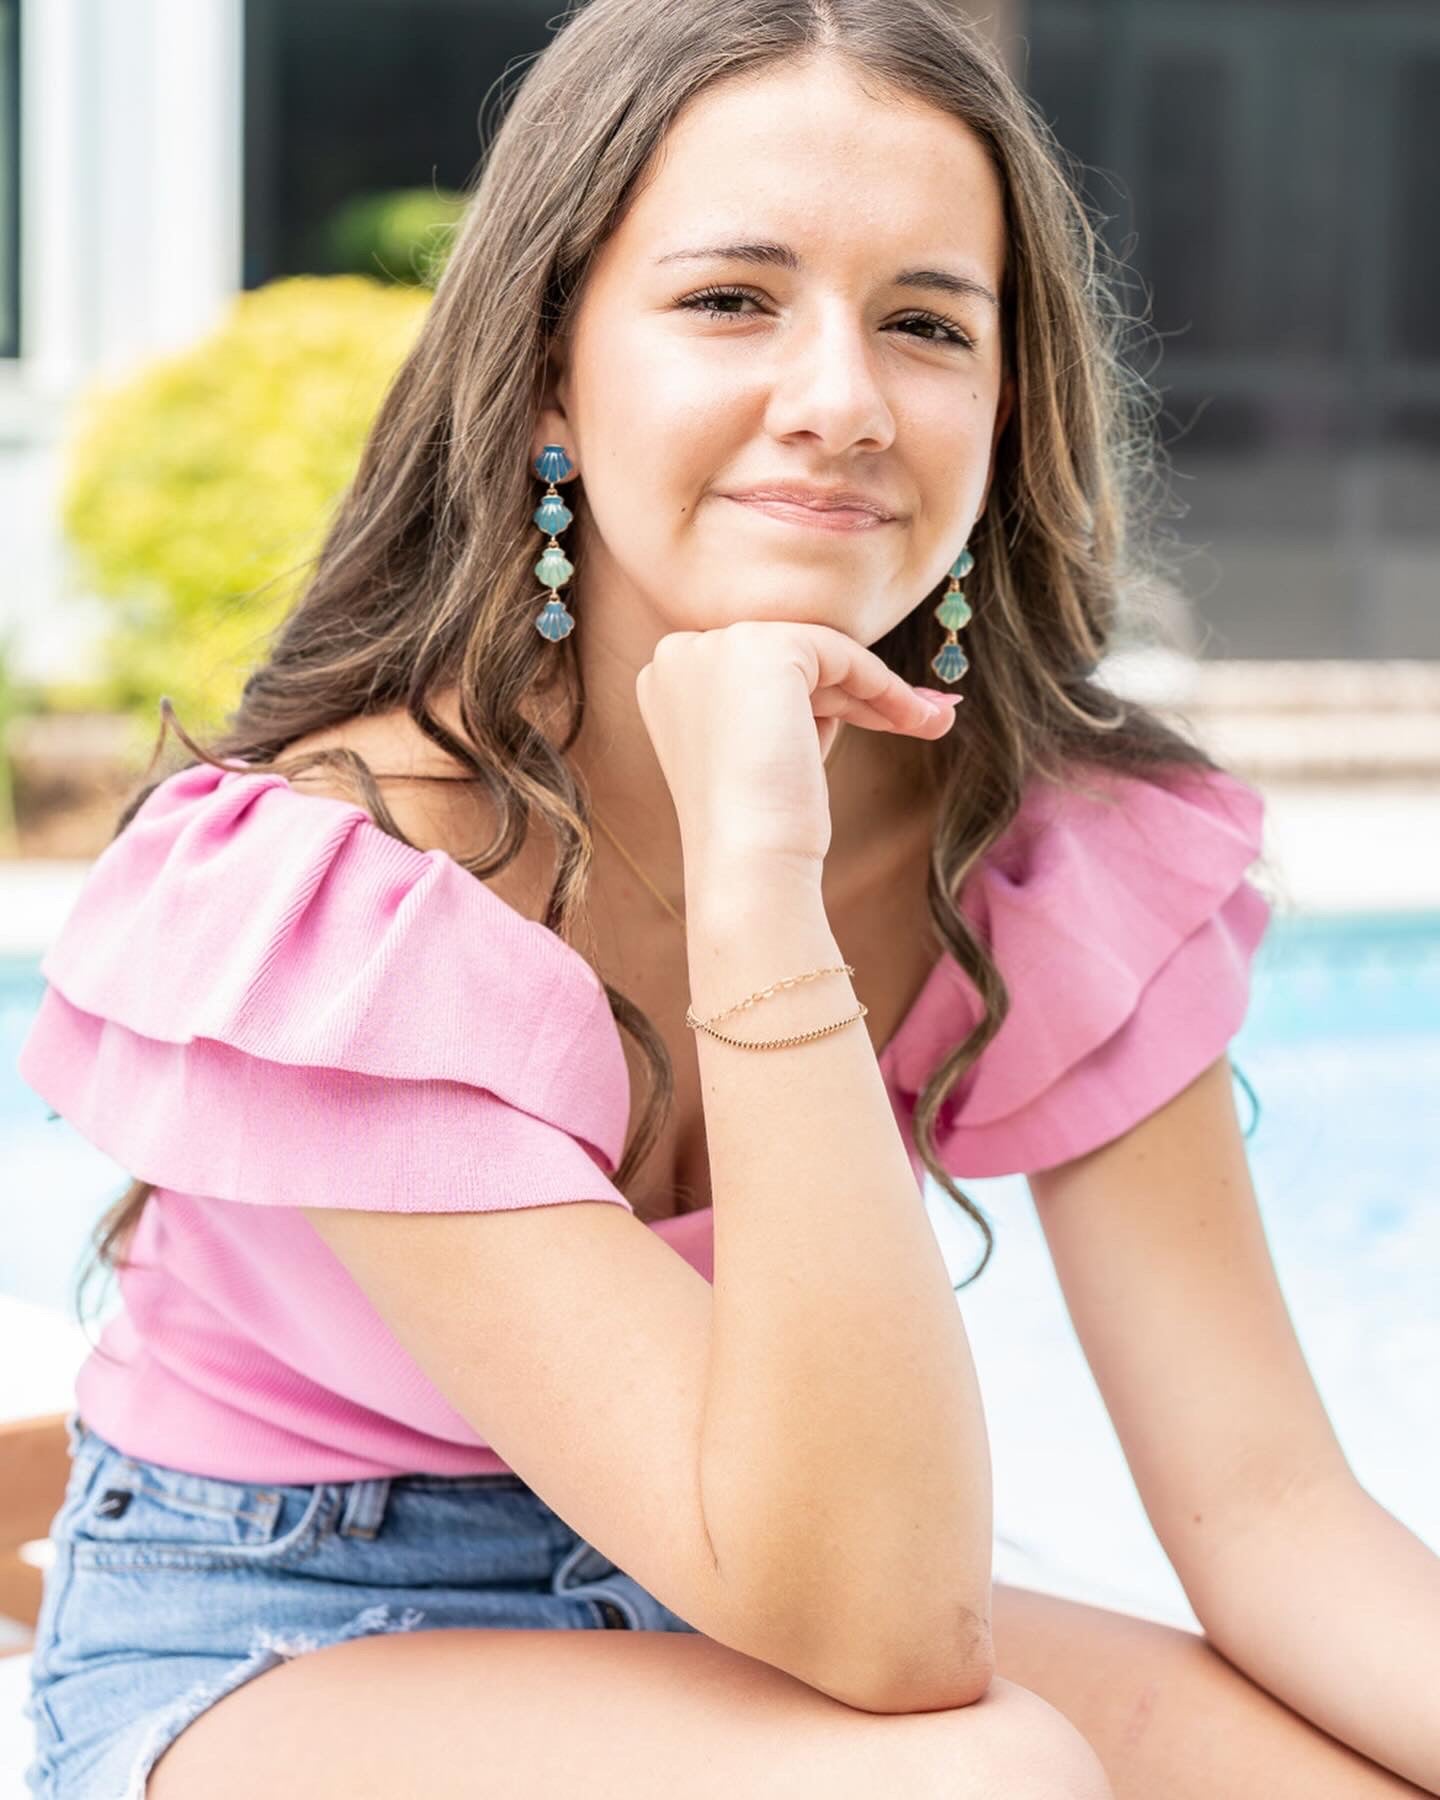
point(168, 1590)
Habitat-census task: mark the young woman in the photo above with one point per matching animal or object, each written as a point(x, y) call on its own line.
point(529, 1029)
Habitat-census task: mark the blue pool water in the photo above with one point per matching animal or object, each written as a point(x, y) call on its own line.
point(1341, 1047)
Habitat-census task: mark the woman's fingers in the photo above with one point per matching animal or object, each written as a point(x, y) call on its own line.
point(835, 703)
point(850, 682)
point(921, 721)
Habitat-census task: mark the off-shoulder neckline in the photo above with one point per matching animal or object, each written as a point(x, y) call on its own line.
point(551, 944)
point(565, 956)
point(1007, 897)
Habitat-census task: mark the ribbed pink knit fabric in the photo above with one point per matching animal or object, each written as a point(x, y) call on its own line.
point(261, 1000)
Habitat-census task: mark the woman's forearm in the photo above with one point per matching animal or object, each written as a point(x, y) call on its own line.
point(845, 1471)
point(1333, 1606)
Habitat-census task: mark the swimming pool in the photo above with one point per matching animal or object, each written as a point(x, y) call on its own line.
point(1342, 1049)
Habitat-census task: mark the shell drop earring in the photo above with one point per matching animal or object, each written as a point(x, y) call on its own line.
point(554, 619)
point(950, 661)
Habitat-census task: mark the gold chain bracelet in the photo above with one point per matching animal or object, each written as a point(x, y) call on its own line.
point(803, 1037)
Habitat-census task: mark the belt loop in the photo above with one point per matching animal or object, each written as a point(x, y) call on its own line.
point(365, 1503)
point(74, 1430)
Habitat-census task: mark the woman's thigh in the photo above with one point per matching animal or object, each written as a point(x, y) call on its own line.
point(1167, 1714)
point(167, 1590)
point(534, 1715)
point(430, 1636)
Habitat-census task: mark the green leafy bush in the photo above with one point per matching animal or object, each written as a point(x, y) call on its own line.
point(399, 234)
point(197, 491)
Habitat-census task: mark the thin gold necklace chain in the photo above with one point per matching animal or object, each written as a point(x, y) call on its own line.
point(679, 918)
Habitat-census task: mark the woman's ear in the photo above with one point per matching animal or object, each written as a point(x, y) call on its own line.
point(552, 421)
point(1003, 409)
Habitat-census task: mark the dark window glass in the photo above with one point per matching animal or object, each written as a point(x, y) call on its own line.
point(1185, 127)
point(348, 97)
point(1417, 427)
point(1415, 286)
point(1215, 426)
point(1270, 173)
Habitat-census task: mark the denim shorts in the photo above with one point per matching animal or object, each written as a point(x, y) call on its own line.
point(167, 1590)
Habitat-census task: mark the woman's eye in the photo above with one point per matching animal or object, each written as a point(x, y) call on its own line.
point(707, 301)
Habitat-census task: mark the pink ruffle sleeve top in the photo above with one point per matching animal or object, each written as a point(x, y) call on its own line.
point(262, 1001)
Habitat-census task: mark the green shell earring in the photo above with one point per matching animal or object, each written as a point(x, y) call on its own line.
point(950, 661)
point(554, 619)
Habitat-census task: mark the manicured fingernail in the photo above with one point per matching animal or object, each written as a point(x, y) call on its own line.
point(936, 698)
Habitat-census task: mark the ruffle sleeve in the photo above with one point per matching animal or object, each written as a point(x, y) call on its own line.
point(1121, 917)
point(259, 995)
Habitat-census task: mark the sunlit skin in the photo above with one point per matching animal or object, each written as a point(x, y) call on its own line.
point(1301, 1577)
point(831, 372)
point(818, 373)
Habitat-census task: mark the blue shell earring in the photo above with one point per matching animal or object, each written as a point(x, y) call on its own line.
point(950, 661)
point(554, 619)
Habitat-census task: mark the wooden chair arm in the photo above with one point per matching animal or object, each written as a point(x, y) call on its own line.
point(34, 1469)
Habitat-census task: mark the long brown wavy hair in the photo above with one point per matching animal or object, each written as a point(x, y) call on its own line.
point(424, 581)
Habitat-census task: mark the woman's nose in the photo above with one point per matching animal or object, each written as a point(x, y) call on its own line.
point(826, 381)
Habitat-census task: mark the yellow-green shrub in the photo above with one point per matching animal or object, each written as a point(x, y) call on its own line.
point(197, 491)
point(399, 234)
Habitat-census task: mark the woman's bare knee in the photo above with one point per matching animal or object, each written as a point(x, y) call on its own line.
point(644, 1713)
point(1068, 1757)
point(1008, 1745)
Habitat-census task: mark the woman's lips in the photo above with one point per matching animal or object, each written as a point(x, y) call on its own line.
point(830, 518)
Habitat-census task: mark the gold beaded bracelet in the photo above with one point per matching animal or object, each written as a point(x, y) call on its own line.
point(803, 1037)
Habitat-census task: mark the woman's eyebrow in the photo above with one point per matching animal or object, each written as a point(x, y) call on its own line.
point(781, 256)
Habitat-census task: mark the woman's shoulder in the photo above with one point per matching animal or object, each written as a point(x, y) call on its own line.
point(435, 801)
point(1121, 912)
point(238, 907)
point(261, 994)
point(1127, 863)
point(426, 790)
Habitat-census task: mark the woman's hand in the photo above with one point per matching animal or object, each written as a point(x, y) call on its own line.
point(743, 717)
